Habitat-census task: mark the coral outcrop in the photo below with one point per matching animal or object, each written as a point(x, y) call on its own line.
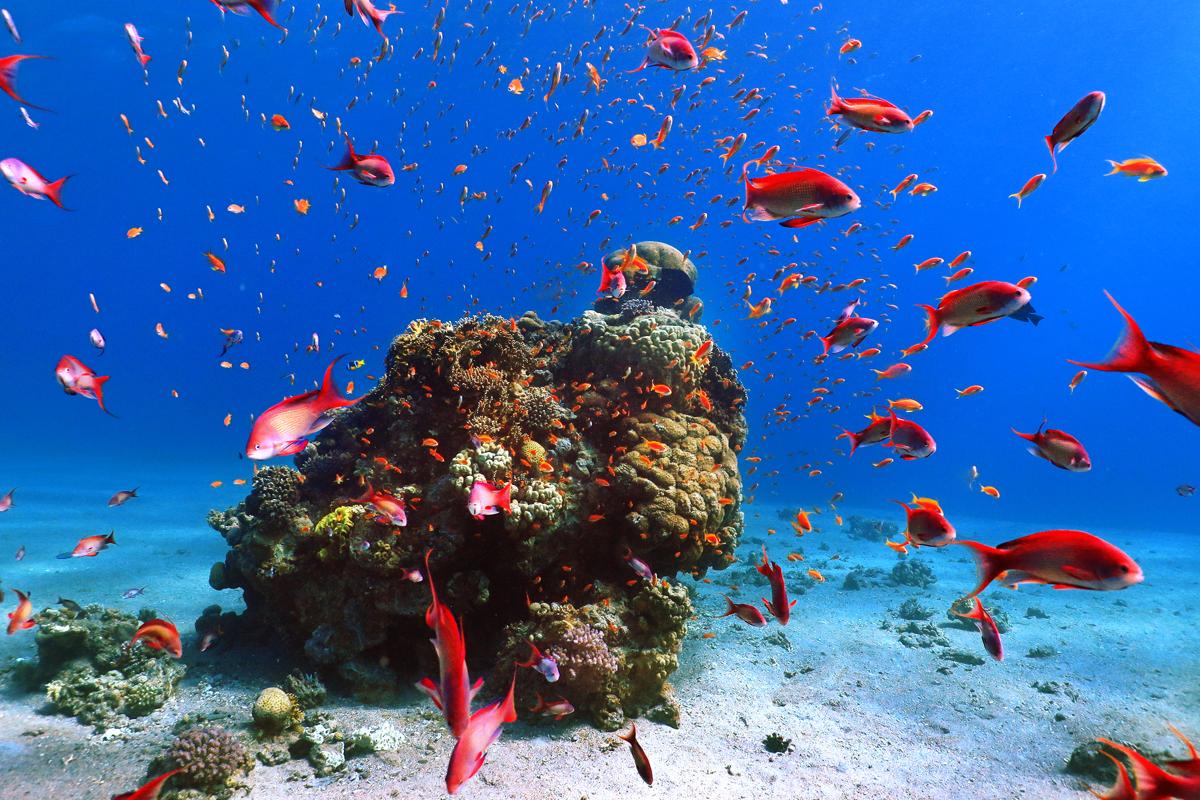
point(90, 671)
point(611, 437)
point(211, 759)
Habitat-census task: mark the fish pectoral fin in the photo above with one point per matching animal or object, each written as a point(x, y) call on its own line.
point(1079, 572)
point(1064, 587)
point(430, 688)
point(811, 207)
point(801, 222)
point(476, 687)
point(1151, 388)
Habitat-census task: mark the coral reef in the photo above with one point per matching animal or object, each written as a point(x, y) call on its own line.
point(275, 710)
point(90, 672)
point(207, 758)
point(872, 530)
point(616, 433)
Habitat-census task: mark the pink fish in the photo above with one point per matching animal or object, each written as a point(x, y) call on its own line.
point(371, 169)
point(391, 508)
point(987, 628)
point(977, 304)
point(745, 612)
point(1081, 117)
point(244, 7)
point(90, 546)
point(778, 605)
point(487, 499)
point(640, 567)
point(8, 78)
point(369, 14)
point(6, 502)
point(850, 331)
point(76, 378)
point(668, 49)
point(910, 440)
point(284, 428)
point(135, 41)
point(558, 709)
point(1058, 447)
point(481, 732)
point(540, 663)
point(31, 183)
point(453, 692)
point(612, 281)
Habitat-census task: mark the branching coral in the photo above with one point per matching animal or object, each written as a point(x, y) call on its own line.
point(208, 758)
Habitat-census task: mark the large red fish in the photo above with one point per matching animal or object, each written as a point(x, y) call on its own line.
point(910, 440)
point(1155, 783)
point(284, 428)
point(159, 634)
point(76, 378)
point(244, 7)
point(870, 113)
point(668, 49)
point(878, 431)
point(850, 331)
point(371, 169)
point(977, 304)
point(799, 198)
point(22, 618)
point(925, 525)
point(1172, 374)
point(1062, 559)
point(778, 605)
point(481, 732)
point(370, 14)
point(453, 692)
point(90, 546)
point(1081, 117)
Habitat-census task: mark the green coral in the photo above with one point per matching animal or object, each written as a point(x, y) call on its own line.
point(307, 689)
point(89, 670)
point(338, 522)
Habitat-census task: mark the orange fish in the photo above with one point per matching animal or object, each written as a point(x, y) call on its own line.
point(816, 576)
point(21, 619)
point(159, 634)
point(215, 261)
point(1030, 186)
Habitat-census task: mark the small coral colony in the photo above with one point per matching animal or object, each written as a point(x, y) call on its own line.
point(534, 488)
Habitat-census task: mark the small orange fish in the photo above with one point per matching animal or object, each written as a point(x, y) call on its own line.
point(923, 190)
point(990, 491)
point(849, 46)
point(970, 390)
point(657, 447)
point(1078, 379)
point(217, 264)
point(1030, 186)
point(904, 184)
point(816, 576)
point(661, 389)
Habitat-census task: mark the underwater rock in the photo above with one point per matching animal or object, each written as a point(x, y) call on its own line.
point(911, 609)
point(1041, 651)
point(89, 672)
point(872, 530)
point(863, 578)
point(613, 433)
point(211, 759)
point(668, 280)
point(374, 739)
point(922, 634)
point(324, 746)
point(912, 572)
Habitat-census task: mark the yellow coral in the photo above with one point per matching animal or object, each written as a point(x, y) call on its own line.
point(533, 453)
point(275, 710)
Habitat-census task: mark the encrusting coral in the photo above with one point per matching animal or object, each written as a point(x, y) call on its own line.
point(612, 436)
point(90, 671)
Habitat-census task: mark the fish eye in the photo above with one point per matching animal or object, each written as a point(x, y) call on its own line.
point(1125, 569)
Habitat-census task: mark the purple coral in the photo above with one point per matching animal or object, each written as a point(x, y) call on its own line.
point(208, 756)
point(584, 661)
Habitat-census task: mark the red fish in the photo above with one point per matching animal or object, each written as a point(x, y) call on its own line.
point(487, 499)
point(910, 439)
point(1058, 447)
point(159, 634)
point(8, 78)
point(745, 612)
point(878, 431)
point(1153, 782)
point(90, 546)
point(925, 526)
point(799, 198)
point(977, 304)
point(149, 791)
point(1122, 789)
point(1172, 374)
point(612, 281)
point(870, 114)
point(391, 508)
point(640, 759)
point(243, 7)
point(638, 566)
point(369, 14)
point(453, 692)
point(371, 169)
point(850, 331)
point(668, 49)
point(480, 733)
point(778, 605)
point(284, 428)
point(987, 628)
point(6, 502)
point(1061, 558)
point(1081, 117)
point(76, 378)
point(21, 619)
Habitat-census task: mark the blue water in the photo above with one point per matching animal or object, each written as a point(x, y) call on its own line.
point(996, 77)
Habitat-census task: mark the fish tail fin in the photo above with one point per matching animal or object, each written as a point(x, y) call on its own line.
point(630, 737)
point(143, 59)
point(853, 437)
point(639, 67)
point(347, 161)
point(835, 102)
point(330, 397)
point(1131, 353)
point(932, 323)
point(533, 657)
point(825, 340)
point(111, 538)
point(54, 190)
point(430, 688)
point(730, 607)
point(98, 388)
point(1122, 788)
point(1018, 196)
point(1116, 167)
point(264, 10)
point(1053, 157)
point(1026, 436)
point(989, 562)
point(1152, 781)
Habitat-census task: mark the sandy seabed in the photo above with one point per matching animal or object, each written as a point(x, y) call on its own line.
point(868, 716)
